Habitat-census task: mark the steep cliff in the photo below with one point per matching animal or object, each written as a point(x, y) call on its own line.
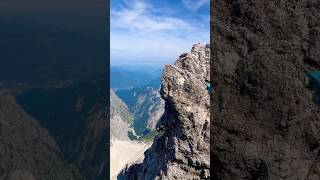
point(27, 151)
point(265, 123)
point(181, 150)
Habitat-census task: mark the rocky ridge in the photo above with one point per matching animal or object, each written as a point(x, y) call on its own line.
point(265, 123)
point(181, 150)
point(27, 151)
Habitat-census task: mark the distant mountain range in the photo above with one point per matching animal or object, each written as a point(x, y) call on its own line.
point(136, 76)
point(138, 87)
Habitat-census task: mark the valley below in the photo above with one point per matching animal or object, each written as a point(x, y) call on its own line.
point(135, 108)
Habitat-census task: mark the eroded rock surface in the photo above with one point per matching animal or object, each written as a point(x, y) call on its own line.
point(181, 150)
point(265, 123)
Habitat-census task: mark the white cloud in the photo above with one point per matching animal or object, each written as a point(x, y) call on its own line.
point(194, 5)
point(156, 48)
point(139, 16)
point(141, 34)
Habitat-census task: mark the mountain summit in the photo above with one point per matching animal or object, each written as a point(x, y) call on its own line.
point(181, 150)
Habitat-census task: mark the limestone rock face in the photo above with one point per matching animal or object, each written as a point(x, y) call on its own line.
point(181, 150)
point(265, 123)
point(27, 151)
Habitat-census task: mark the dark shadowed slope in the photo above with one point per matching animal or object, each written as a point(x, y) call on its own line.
point(76, 117)
point(27, 151)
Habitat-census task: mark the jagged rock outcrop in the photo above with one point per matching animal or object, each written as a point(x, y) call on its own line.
point(120, 118)
point(181, 150)
point(27, 151)
point(265, 124)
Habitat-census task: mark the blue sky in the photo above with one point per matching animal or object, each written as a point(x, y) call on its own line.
point(156, 31)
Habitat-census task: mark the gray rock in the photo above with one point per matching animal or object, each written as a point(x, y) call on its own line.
point(181, 150)
point(265, 124)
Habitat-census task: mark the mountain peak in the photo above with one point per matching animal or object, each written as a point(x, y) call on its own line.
point(181, 150)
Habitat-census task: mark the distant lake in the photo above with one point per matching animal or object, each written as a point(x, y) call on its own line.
point(315, 84)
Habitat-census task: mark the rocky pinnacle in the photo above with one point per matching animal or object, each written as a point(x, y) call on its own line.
point(181, 150)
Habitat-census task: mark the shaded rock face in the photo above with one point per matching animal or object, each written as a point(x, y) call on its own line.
point(91, 152)
point(265, 123)
point(155, 111)
point(148, 109)
point(27, 151)
point(181, 150)
point(75, 117)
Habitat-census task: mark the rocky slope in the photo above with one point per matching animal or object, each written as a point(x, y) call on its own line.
point(155, 112)
point(181, 150)
point(27, 151)
point(91, 151)
point(148, 109)
point(265, 124)
point(146, 105)
point(120, 118)
point(75, 117)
